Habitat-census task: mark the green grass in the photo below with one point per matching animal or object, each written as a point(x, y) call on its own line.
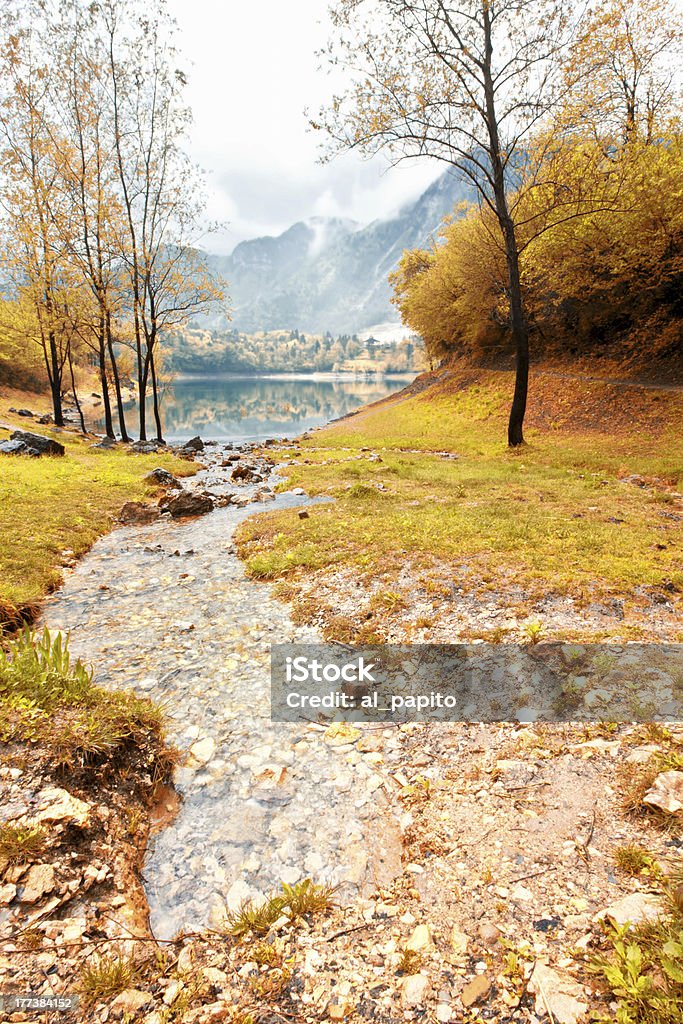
point(52, 703)
point(52, 505)
point(539, 515)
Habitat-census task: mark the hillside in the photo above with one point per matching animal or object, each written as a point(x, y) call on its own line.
point(327, 273)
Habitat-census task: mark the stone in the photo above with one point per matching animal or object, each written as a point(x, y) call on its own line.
point(104, 444)
point(56, 805)
point(475, 991)
point(162, 477)
point(25, 412)
point(558, 995)
point(38, 443)
point(303, 514)
point(459, 941)
point(201, 752)
point(195, 444)
point(666, 792)
point(636, 908)
point(420, 940)
point(147, 447)
point(338, 1008)
point(15, 448)
point(137, 513)
point(7, 893)
point(129, 1002)
point(414, 990)
point(187, 504)
point(246, 473)
point(39, 881)
point(489, 934)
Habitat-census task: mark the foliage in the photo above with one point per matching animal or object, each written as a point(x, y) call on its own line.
point(106, 977)
point(294, 901)
point(21, 844)
point(49, 700)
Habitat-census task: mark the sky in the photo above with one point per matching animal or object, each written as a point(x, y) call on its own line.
point(253, 70)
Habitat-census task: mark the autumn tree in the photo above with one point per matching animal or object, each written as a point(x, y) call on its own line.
point(465, 82)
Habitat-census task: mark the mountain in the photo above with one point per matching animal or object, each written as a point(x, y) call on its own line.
point(330, 274)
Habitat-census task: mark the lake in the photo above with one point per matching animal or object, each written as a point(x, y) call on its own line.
point(255, 408)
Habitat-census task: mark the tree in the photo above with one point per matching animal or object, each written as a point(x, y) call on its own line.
point(465, 82)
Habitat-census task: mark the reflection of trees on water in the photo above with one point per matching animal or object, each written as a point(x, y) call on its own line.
point(261, 407)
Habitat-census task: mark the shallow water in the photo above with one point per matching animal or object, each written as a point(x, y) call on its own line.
point(167, 609)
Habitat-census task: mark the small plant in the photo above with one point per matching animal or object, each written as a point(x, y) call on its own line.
point(534, 631)
point(410, 963)
point(106, 977)
point(307, 898)
point(272, 984)
point(632, 859)
point(21, 844)
point(266, 954)
point(254, 917)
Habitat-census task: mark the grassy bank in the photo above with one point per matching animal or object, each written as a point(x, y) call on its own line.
point(53, 509)
point(587, 508)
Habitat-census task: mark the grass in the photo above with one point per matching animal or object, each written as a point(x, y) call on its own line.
point(105, 978)
point(553, 516)
point(294, 901)
point(53, 505)
point(51, 702)
point(21, 844)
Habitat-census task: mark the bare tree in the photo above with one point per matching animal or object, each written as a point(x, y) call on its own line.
point(466, 82)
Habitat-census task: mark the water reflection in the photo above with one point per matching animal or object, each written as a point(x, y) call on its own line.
point(254, 408)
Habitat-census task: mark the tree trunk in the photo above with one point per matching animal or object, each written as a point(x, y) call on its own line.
point(520, 336)
point(55, 376)
point(117, 380)
point(108, 422)
point(74, 392)
point(155, 395)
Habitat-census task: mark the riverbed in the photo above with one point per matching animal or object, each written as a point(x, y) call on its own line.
point(168, 610)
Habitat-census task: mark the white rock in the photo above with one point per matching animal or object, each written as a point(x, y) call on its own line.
point(39, 881)
point(558, 995)
point(414, 989)
point(666, 792)
point(201, 752)
point(130, 1001)
point(420, 939)
point(55, 804)
point(636, 908)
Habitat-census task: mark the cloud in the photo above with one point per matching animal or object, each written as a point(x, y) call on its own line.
point(252, 69)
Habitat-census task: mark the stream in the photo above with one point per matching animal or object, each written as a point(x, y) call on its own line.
point(167, 610)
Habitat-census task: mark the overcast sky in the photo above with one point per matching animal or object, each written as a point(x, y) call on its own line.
point(252, 70)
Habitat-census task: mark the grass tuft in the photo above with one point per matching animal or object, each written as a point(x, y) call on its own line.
point(21, 844)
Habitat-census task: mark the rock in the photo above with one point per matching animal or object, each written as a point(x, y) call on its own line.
point(105, 445)
point(195, 444)
point(666, 792)
point(7, 893)
point(187, 504)
point(137, 513)
point(303, 514)
point(16, 448)
point(147, 447)
point(489, 934)
point(248, 474)
point(56, 805)
point(36, 442)
point(459, 941)
point(201, 752)
point(420, 940)
point(558, 995)
point(636, 908)
point(339, 1007)
point(129, 1002)
point(45, 418)
point(414, 989)
point(162, 477)
point(476, 991)
point(38, 883)
point(25, 412)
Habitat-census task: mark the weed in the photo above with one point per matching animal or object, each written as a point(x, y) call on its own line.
point(294, 901)
point(534, 631)
point(410, 963)
point(254, 917)
point(307, 898)
point(265, 954)
point(106, 977)
point(21, 844)
point(632, 859)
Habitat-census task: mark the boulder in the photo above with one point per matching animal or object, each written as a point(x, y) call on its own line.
point(137, 513)
point(147, 447)
point(195, 444)
point(104, 444)
point(162, 477)
point(16, 448)
point(188, 504)
point(248, 474)
point(37, 444)
point(635, 909)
